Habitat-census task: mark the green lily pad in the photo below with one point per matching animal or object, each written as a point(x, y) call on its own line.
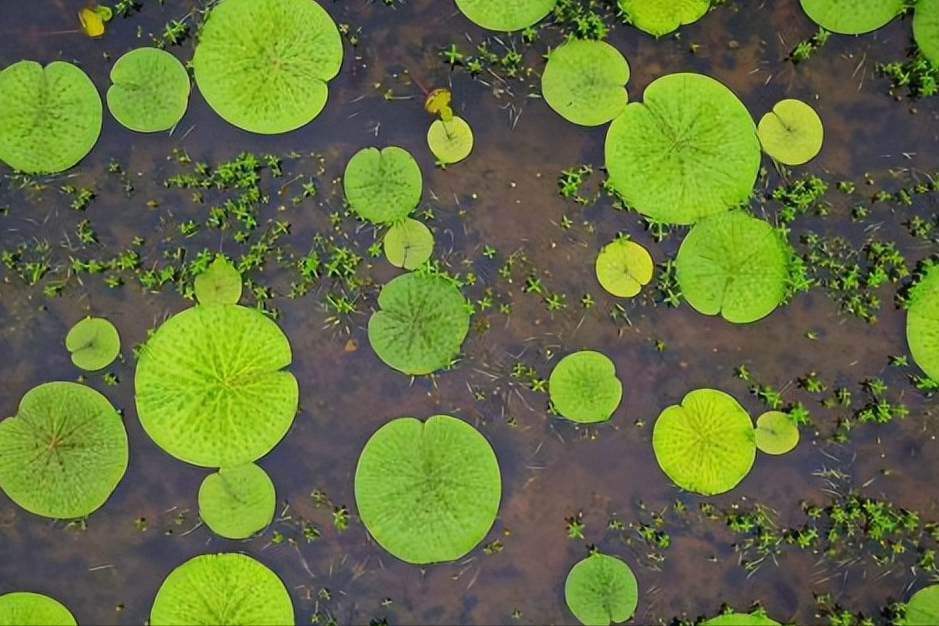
point(733, 264)
point(584, 81)
point(421, 325)
point(584, 387)
point(428, 491)
point(601, 590)
point(687, 151)
point(149, 91)
point(926, 29)
point(757, 618)
point(707, 444)
point(24, 608)
point(228, 588)
point(408, 243)
point(49, 117)
point(922, 322)
point(776, 432)
point(450, 140)
point(623, 267)
point(383, 186)
point(505, 16)
point(93, 342)
point(923, 608)
point(64, 452)
point(852, 17)
point(263, 65)
point(659, 17)
point(220, 283)
point(791, 133)
point(209, 385)
point(236, 502)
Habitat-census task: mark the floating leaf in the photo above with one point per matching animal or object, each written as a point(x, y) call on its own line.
point(92, 22)
point(923, 608)
point(24, 608)
point(687, 151)
point(383, 186)
point(926, 29)
point(438, 101)
point(149, 91)
point(791, 133)
point(408, 244)
point(421, 325)
point(49, 117)
point(922, 322)
point(584, 387)
point(236, 502)
point(64, 452)
point(209, 385)
point(505, 16)
point(623, 267)
point(584, 81)
point(427, 491)
point(733, 264)
point(450, 141)
point(706, 444)
point(600, 590)
point(852, 17)
point(757, 618)
point(220, 283)
point(222, 589)
point(93, 342)
point(659, 17)
point(776, 432)
point(263, 65)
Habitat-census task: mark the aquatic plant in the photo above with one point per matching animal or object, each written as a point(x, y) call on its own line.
point(427, 491)
point(505, 16)
point(922, 320)
point(623, 267)
point(659, 17)
point(64, 452)
point(25, 608)
point(922, 609)
point(93, 342)
point(93, 18)
point(220, 283)
point(791, 133)
point(149, 90)
point(776, 432)
point(852, 17)
point(601, 589)
point(926, 29)
point(583, 81)
point(450, 140)
point(382, 185)
point(754, 618)
point(584, 388)
point(236, 502)
point(408, 243)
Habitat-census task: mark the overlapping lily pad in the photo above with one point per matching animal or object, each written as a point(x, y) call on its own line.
point(791, 133)
point(584, 387)
point(428, 491)
point(225, 588)
point(64, 452)
point(210, 388)
point(776, 432)
point(236, 502)
point(450, 140)
point(922, 608)
point(421, 325)
point(706, 444)
point(688, 150)
point(93, 342)
point(659, 17)
point(922, 322)
point(503, 15)
point(601, 590)
point(584, 81)
point(408, 243)
point(24, 608)
point(926, 29)
point(150, 90)
point(852, 17)
point(383, 185)
point(263, 65)
point(623, 267)
point(733, 264)
point(220, 283)
point(49, 117)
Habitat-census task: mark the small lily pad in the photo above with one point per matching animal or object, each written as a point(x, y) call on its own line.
point(623, 267)
point(150, 90)
point(659, 17)
point(791, 133)
point(852, 17)
point(776, 432)
point(922, 322)
point(24, 608)
point(383, 185)
point(926, 29)
point(93, 342)
point(505, 16)
point(236, 502)
point(584, 80)
point(757, 618)
point(450, 140)
point(220, 283)
point(923, 608)
point(601, 590)
point(408, 243)
point(584, 387)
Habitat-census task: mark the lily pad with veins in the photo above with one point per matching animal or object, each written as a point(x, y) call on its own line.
point(660, 17)
point(236, 502)
point(93, 342)
point(600, 590)
point(383, 185)
point(505, 15)
point(852, 17)
point(24, 608)
point(584, 81)
point(150, 90)
point(791, 133)
point(584, 388)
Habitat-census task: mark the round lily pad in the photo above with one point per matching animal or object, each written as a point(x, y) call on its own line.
point(922, 322)
point(687, 151)
point(210, 389)
point(421, 325)
point(93, 342)
point(236, 502)
point(450, 140)
point(220, 283)
point(228, 588)
point(24, 608)
point(408, 243)
point(923, 608)
point(791, 133)
point(383, 185)
point(757, 618)
point(623, 267)
point(584, 387)
point(427, 491)
point(601, 590)
point(926, 29)
point(49, 117)
point(584, 81)
point(659, 17)
point(706, 444)
point(64, 451)
point(852, 17)
point(733, 264)
point(505, 16)
point(776, 432)
point(149, 91)
point(263, 65)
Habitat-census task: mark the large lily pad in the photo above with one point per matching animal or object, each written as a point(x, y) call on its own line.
point(408, 243)
point(209, 385)
point(584, 81)
point(926, 29)
point(706, 444)
point(226, 588)
point(421, 325)
point(24, 608)
point(236, 502)
point(923, 608)
point(93, 342)
point(427, 491)
point(150, 90)
point(852, 17)
point(263, 65)
point(584, 387)
point(922, 322)
point(659, 17)
point(64, 451)
point(687, 151)
point(450, 140)
point(623, 267)
point(383, 185)
point(505, 15)
point(791, 133)
point(49, 117)
point(733, 264)
point(600, 590)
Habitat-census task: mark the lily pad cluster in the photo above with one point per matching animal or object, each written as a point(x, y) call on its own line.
point(584, 387)
point(600, 590)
